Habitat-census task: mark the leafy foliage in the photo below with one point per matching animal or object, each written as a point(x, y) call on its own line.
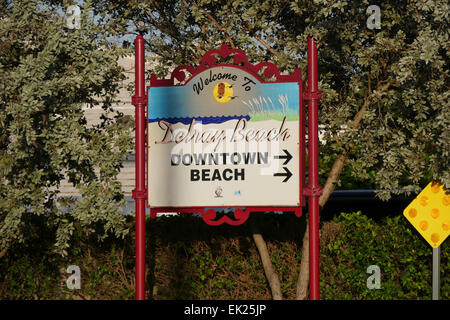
point(189, 260)
point(385, 91)
point(49, 75)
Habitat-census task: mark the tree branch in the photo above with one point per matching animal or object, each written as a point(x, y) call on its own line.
point(265, 44)
point(339, 163)
point(163, 14)
point(211, 18)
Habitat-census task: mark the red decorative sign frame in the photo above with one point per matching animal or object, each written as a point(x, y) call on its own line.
point(265, 72)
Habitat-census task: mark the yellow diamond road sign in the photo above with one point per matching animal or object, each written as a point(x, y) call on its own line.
point(429, 213)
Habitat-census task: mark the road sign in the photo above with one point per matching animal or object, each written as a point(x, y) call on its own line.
point(224, 138)
point(429, 213)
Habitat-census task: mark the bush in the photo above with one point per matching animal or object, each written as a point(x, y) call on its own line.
point(187, 259)
point(50, 74)
point(404, 257)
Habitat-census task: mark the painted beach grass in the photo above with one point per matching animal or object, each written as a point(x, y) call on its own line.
point(263, 108)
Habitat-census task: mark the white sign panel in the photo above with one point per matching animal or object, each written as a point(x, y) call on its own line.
point(224, 139)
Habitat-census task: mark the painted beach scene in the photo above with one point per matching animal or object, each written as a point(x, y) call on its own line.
point(216, 96)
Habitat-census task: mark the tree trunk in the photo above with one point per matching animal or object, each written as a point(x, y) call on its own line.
point(3, 253)
point(333, 176)
point(271, 275)
point(338, 165)
point(303, 278)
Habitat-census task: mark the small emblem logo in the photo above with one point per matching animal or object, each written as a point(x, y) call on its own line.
point(218, 192)
point(223, 92)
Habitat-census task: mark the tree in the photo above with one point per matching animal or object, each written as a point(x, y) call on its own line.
point(385, 91)
point(48, 73)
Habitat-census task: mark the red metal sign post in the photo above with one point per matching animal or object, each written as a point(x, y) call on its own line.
point(139, 194)
point(314, 190)
point(248, 71)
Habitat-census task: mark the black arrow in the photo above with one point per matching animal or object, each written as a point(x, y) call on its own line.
point(288, 157)
point(287, 174)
